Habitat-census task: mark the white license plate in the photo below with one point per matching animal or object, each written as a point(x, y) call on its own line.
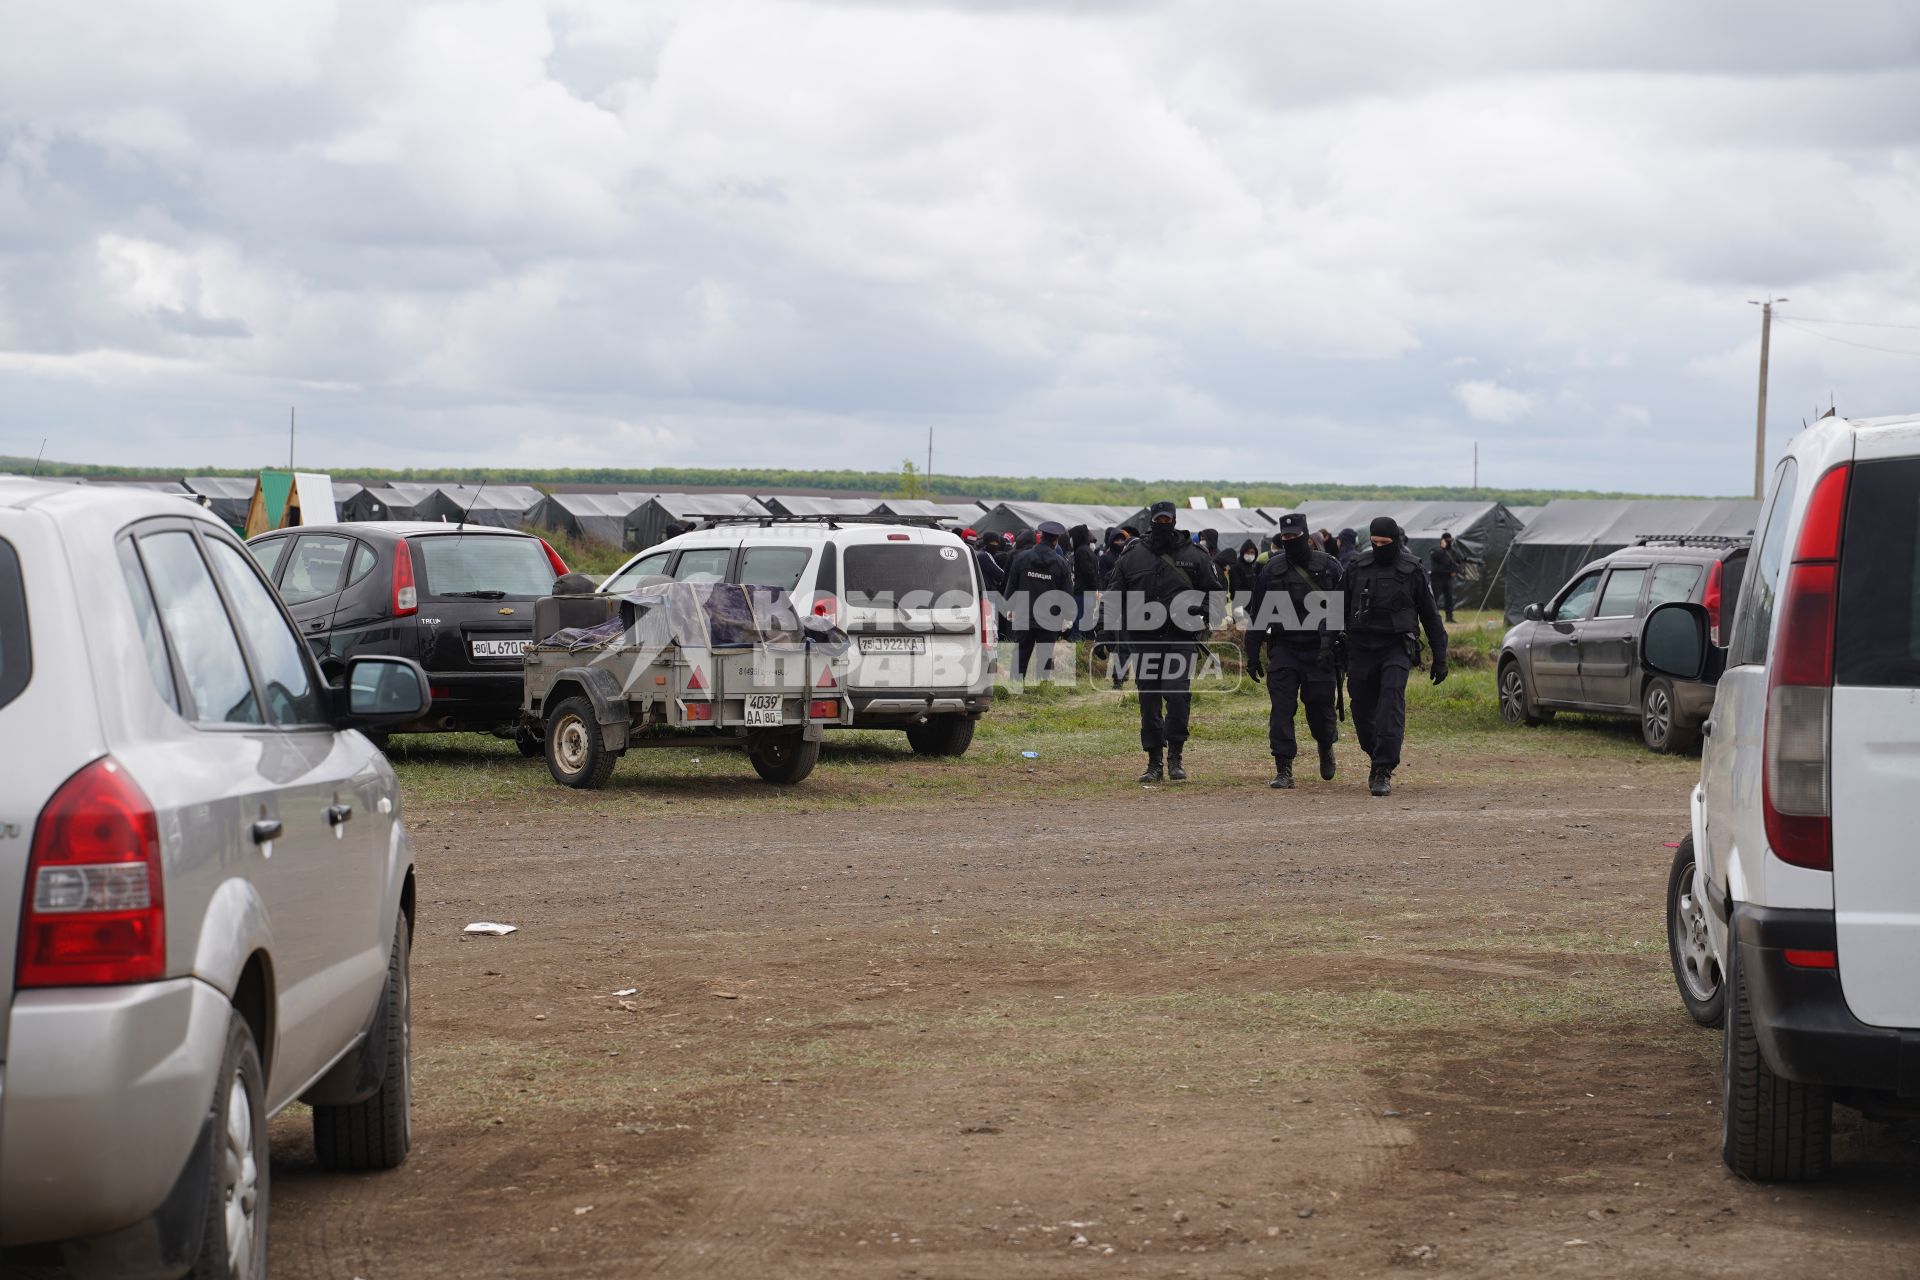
point(763, 709)
point(499, 648)
point(893, 644)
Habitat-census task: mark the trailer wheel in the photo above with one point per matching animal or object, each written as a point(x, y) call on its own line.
point(576, 756)
point(941, 736)
point(783, 758)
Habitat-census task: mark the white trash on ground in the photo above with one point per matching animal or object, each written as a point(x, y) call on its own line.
point(491, 929)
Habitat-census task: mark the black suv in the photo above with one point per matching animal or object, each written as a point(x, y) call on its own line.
point(456, 599)
point(1581, 652)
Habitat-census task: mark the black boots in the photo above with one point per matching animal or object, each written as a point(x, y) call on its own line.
point(1380, 780)
point(1326, 762)
point(1154, 772)
point(1282, 775)
point(1175, 772)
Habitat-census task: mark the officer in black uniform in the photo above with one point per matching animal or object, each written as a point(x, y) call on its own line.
point(1033, 576)
point(1387, 603)
point(1443, 562)
point(1161, 601)
point(1290, 639)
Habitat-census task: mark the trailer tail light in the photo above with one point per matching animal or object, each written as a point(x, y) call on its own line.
point(699, 710)
point(826, 607)
point(1796, 783)
point(405, 598)
point(1710, 600)
point(94, 913)
point(823, 709)
point(553, 558)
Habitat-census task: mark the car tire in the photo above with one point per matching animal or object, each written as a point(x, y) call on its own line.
point(233, 1244)
point(1772, 1130)
point(529, 742)
point(1660, 726)
point(783, 758)
point(1703, 987)
point(947, 735)
point(377, 1132)
point(576, 755)
point(1516, 705)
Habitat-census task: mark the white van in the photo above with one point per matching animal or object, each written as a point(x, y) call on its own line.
point(1793, 908)
point(909, 596)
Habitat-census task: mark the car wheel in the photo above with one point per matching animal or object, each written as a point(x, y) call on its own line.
point(1660, 719)
point(377, 1132)
point(941, 736)
point(1772, 1130)
point(576, 755)
point(1689, 946)
point(234, 1243)
point(1515, 706)
point(783, 758)
point(529, 742)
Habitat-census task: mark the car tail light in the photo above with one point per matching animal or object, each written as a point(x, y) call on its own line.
point(826, 607)
point(553, 558)
point(1710, 600)
point(1812, 959)
point(899, 537)
point(1796, 783)
point(406, 599)
point(823, 709)
point(94, 913)
point(989, 625)
point(439, 692)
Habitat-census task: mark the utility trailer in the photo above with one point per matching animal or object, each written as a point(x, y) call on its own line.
point(680, 664)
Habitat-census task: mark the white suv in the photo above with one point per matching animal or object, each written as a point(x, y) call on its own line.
point(909, 596)
point(1794, 906)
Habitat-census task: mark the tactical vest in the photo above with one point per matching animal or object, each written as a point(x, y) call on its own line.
point(1383, 598)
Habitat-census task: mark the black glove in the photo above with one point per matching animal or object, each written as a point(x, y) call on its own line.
point(1255, 667)
point(1326, 658)
point(1100, 649)
point(1439, 670)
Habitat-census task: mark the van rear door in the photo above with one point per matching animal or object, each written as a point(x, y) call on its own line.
point(1875, 753)
point(913, 610)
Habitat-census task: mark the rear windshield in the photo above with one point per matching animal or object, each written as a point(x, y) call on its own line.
point(487, 564)
point(1877, 634)
point(881, 574)
point(16, 655)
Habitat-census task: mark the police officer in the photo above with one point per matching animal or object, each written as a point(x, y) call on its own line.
point(1387, 603)
point(1162, 597)
point(1039, 616)
point(1443, 562)
point(1289, 639)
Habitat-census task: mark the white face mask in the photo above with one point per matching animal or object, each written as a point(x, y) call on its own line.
point(1248, 557)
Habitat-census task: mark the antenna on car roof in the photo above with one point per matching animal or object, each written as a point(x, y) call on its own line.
point(470, 501)
point(38, 456)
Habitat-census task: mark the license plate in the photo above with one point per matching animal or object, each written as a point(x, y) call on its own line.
point(763, 709)
point(893, 644)
point(499, 648)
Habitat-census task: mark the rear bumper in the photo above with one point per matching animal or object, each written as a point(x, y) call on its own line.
point(471, 700)
point(900, 707)
point(103, 1102)
point(1800, 1016)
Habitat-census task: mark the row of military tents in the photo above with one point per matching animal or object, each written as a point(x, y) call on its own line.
point(1513, 556)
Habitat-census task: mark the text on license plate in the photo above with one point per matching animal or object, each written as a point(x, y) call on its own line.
point(499, 648)
point(893, 644)
point(763, 709)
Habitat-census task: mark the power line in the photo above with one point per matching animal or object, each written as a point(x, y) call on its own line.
point(1848, 342)
point(1864, 324)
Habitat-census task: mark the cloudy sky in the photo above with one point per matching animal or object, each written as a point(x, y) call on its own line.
point(1188, 239)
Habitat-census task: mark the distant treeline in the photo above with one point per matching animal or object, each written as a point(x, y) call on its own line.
point(1117, 492)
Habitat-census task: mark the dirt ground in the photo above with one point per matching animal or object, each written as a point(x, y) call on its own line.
point(1207, 1030)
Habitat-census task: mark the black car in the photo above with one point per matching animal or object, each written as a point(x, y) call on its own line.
point(456, 599)
point(1580, 651)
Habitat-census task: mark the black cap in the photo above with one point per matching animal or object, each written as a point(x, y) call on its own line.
point(1052, 529)
point(1383, 527)
point(1293, 524)
point(1162, 508)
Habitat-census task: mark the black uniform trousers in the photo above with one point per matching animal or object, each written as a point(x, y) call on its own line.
point(1443, 593)
point(1294, 675)
point(1377, 670)
point(1028, 643)
point(1163, 672)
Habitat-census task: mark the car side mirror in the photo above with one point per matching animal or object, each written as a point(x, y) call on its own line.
point(383, 690)
point(1533, 613)
point(1677, 642)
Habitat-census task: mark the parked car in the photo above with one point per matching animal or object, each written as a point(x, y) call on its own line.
point(1793, 906)
point(909, 596)
point(206, 892)
point(456, 599)
point(1578, 652)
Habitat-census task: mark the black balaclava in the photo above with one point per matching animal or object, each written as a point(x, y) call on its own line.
point(1384, 527)
point(1297, 550)
point(1163, 538)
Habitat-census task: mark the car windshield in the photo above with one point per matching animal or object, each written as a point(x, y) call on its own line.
point(905, 574)
point(468, 563)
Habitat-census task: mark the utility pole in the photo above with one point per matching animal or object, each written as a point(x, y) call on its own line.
point(1476, 468)
point(1760, 416)
point(290, 425)
point(929, 461)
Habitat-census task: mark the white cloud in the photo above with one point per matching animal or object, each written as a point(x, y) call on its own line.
point(1487, 401)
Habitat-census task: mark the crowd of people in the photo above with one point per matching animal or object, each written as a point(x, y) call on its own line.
point(1319, 612)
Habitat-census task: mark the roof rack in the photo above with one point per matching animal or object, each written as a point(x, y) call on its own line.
point(832, 522)
point(1692, 540)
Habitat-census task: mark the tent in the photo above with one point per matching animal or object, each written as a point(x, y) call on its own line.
point(227, 496)
point(1482, 531)
point(388, 502)
point(1525, 515)
point(283, 499)
point(958, 514)
point(1572, 532)
point(344, 492)
point(800, 505)
point(647, 523)
point(1016, 517)
point(1234, 524)
point(502, 506)
point(587, 517)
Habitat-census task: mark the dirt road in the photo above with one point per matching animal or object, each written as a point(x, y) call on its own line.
point(1212, 1031)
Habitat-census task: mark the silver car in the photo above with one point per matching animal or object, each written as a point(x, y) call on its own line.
point(206, 893)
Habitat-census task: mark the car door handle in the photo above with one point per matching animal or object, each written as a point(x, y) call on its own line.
point(1706, 728)
point(318, 624)
point(338, 813)
point(266, 829)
